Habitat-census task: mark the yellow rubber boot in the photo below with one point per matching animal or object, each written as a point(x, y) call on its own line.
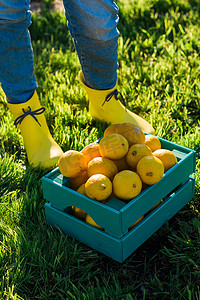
point(41, 148)
point(104, 105)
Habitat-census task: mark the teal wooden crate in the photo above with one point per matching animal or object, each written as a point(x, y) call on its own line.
point(116, 241)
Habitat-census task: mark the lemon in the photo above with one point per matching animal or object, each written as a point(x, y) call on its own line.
point(113, 146)
point(131, 132)
point(150, 169)
point(121, 164)
point(156, 205)
point(134, 224)
point(135, 153)
point(127, 185)
point(91, 151)
point(102, 165)
point(72, 163)
point(98, 187)
point(167, 157)
point(81, 189)
point(76, 182)
point(152, 142)
point(90, 221)
point(78, 212)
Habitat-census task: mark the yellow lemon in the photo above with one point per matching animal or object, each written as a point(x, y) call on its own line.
point(150, 169)
point(90, 221)
point(131, 132)
point(135, 153)
point(81, 189)
point(76, 182)
point(152, 142)
point(134, 224)
point(127, 185)
point(91, 151)
point(156, 205)
point(113, 146)
point(102, 165)
point(72, 163)
point(121, 164)
point(98, 187)
point(78, 212)
point(167, 157)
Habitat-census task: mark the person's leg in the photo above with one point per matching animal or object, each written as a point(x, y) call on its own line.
point(93, 26)
point(16, 56)
point(18, 82)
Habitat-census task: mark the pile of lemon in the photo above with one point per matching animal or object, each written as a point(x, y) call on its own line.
point(121, 165)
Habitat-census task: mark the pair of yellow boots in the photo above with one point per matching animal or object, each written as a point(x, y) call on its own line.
point(41, 148)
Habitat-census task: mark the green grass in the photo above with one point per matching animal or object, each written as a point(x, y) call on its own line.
point(159, 76)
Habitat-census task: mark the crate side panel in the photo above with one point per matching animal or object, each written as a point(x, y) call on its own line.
point(62, 197)
point(157, 218)
point(85, 233)
point(152, 195)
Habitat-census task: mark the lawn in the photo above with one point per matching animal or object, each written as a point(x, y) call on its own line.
point(159, 76)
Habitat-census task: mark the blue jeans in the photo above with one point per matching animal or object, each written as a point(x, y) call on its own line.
point(93, 26)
